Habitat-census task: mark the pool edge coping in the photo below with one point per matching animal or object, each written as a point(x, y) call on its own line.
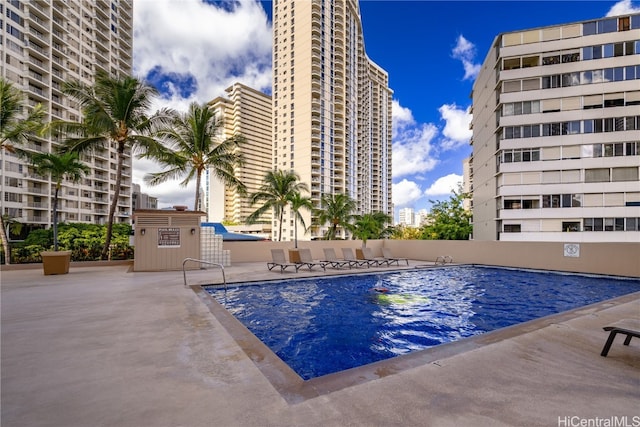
point(293, 389)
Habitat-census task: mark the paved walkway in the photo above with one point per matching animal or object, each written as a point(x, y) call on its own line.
point(102, 346)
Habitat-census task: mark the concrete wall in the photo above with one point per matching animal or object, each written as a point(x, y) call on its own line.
point(156, 254)
point(620, 259)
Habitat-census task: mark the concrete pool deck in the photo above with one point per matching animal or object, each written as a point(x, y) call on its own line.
point(102, 346)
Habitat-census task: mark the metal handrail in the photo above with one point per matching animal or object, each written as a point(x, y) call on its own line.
point(184, 273)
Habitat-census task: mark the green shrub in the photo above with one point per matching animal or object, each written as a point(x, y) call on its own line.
point(85, 242)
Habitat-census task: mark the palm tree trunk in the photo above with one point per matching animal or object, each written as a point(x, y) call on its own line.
point(280, 225)
point(55, 218)
point(5, 242)
point(197, 199)
point(114, 203)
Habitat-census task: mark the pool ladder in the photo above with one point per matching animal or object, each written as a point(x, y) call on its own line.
point(199, 261)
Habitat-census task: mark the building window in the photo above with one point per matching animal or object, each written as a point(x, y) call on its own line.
point(512, 228)
point(624, 24)
point(596, 175)
point(570, 226)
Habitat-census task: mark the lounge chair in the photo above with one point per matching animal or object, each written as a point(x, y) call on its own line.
point(278, 259)
point(306, 260)
point(628, 327)
point(367, 254)
point(386, 253)
point(331, 259)
point(348, 255)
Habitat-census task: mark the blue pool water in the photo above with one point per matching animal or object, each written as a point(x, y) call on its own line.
point(324, 325)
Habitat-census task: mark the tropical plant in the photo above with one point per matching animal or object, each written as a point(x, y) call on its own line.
point(405, 232)
point(8, 225)
point(83, 240)
point(114, 112)
point(275, 193)
point(336, 209)
point(448, 220)
point(298, 201)
point(194, 146)
point(15, 129)
point(59, 167)
point(370, 226)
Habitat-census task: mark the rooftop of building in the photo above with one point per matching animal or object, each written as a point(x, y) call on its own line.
point(106, 346)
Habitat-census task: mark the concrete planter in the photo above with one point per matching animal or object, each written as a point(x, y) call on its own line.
point(55, 262)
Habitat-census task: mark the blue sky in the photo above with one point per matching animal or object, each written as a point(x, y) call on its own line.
point(192, 50)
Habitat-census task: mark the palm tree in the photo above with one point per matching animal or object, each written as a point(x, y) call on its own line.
point(59, 167)
point(370, 226)
point(114, 111)
point(15, 129)
point(275, 193)
point(194, 146)
point(298, 202)
point(337, 210)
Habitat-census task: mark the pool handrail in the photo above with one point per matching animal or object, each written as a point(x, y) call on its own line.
point(184, 273)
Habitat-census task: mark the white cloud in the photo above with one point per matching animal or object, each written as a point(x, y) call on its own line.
point(205, 49)
point(456, 128)
point(405, 193)
point(623, 7)
point(402, 117)
point(215, 46)
point(465, 51)
point(413, 151)
point(168, 194)
point(444, 185)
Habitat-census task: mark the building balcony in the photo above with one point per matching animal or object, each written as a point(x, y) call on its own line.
point(36, 190)
point(37, 64)
point(37, 9)
point(36, 219)
point(37, 205)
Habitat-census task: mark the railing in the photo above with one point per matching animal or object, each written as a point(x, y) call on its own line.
point(184, 273)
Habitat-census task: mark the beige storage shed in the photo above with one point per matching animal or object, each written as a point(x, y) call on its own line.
point(164, 238)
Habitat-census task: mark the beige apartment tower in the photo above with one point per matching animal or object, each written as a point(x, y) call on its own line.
point(244, 111)
point(331, 108)
point(44, 43)
point(556, 134)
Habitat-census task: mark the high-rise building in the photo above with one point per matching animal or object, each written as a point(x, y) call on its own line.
point(556, 134)
point(43, 44)
point(406, 216)
point(247, 112)
point(140, 200)
point(421, 217)
point(331, 107)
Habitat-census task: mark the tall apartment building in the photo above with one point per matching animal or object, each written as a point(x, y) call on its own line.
point(331, 107)
point(556, 134)
point(140, 200)
point(244, 111)
point(44, 43)
point(406, 216)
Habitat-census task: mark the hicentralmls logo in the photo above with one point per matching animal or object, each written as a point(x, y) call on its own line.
point(613, 421)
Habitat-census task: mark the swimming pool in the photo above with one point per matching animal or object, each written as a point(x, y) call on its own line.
point(323, 325)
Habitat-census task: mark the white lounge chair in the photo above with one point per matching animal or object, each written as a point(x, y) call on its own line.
point(386, 253)
point(347, 253)
point(306, 260)
point(278, 259)
point(367, 254)
point(331, 259)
